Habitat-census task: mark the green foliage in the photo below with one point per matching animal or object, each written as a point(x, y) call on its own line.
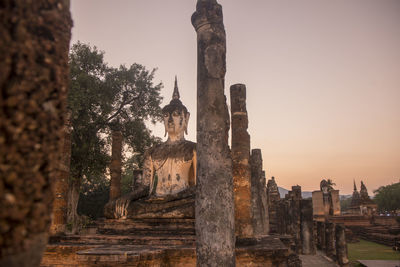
point(345, 203)
point(93, 198)
point(102, 98)
point(388, 198)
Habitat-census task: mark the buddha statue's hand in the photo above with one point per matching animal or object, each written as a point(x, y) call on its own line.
point(121, 206)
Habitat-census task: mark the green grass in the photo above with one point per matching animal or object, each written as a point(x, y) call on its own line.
point(366, 250)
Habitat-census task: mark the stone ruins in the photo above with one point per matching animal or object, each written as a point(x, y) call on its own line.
point(326, 201)
point(203, 204)
point(361, 203)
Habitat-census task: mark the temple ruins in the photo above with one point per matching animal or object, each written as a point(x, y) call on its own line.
point(204, 204)
point(361, 203)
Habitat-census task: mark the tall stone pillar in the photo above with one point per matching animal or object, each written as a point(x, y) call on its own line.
point(273, 198)
point(341, 245)
point(307, 227)
point(61, 181)
point(240, 162)
point(295, 216)
point(215, 220)
point(330, 248)
point(321, 235)
point(259, 195)
point(116, 165)
point(34, 47)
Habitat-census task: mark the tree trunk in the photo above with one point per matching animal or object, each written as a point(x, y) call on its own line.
point(34, 47)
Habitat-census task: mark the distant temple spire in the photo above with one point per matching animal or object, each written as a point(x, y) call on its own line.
point(176, 95)
point(355, 187)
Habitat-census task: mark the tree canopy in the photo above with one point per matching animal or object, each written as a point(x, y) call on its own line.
point(102, 98)
point(388, 197)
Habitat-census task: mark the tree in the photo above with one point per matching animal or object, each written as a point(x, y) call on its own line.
point(388, 198)
point(101, 97)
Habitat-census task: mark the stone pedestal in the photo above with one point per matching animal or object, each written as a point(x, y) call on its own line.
point(240, 162)
point(215, 244)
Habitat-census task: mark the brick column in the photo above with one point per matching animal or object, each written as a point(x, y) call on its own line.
point(116, 165)
point(258, 194)
point(61, 181)
point(240, 162)
point(341, 245)
point(330, 248)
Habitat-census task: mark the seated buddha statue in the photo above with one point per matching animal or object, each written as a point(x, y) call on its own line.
point(166, 188)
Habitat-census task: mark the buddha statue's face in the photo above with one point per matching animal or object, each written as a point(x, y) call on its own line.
point(175, 123)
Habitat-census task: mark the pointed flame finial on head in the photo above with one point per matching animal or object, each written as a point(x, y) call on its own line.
point(175, 95)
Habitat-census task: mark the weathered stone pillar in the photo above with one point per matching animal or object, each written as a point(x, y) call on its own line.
point(330, 248)
point(273, 198)
point(307, 227)
point(34, 47)
point(61, 181)
point(215, 234)
point(295, 216)
point(258, 194)
point(116, 165)
point(321, 235)
point(341, 245)
point(240, 162)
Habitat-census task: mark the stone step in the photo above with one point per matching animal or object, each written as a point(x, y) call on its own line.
point(147, 227)
point(99, 239)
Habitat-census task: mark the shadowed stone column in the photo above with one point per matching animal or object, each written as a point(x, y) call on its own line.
point(258, 194)
point(295, 211)
point(215, 235)
point(116, 165)
point(307, 225)
point(273, 198)
point(330, 248)
point(341, 245)
point(61, 181)
point(321, 235)
point(240, 161)
point(34, 47)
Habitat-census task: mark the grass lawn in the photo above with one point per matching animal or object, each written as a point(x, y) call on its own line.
point(366, 250)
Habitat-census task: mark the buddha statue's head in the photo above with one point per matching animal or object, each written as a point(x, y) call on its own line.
point(176, 117)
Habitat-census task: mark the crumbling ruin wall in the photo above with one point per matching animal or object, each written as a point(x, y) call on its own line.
point(34, 47)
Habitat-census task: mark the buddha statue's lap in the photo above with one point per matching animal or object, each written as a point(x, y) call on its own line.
point(166, 188)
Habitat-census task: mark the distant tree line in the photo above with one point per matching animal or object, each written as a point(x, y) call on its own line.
point(388, 198)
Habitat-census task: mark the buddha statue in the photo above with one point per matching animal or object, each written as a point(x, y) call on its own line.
point(167, 186)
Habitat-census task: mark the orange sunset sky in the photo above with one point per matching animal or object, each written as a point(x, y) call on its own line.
point(322, 77)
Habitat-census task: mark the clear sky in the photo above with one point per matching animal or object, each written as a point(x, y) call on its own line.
point(322, 77)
